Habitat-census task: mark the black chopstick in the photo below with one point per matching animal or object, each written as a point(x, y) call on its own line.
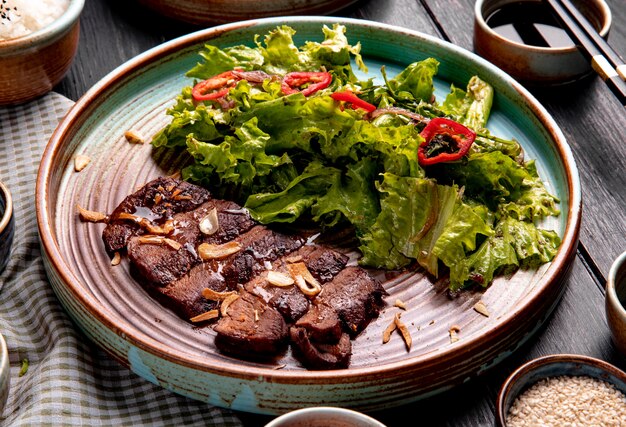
point(606, 50)
point(582, 35)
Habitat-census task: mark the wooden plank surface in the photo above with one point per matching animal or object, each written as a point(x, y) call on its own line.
point(115, 31)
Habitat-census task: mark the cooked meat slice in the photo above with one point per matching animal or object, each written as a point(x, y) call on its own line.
point(356, 297)
point(320, 356)
point(251, 329)
point(258, 245)
point(233, 220)
point(184, 296)
point(322, 324)
point(289, 301)
point(322, 262)
point(160, 264)
point(156, 201)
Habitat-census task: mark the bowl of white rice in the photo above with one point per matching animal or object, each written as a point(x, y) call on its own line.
point(563, 390)
point(38, 41)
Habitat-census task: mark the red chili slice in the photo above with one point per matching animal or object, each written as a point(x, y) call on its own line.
point(444, 141)
point(292, 82)
point(347, 96)
point(215, 87)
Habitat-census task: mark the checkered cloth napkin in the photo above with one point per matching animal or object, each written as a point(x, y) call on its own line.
point(69, 381)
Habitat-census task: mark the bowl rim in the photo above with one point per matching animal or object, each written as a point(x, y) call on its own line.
point(480, 22)
point(550, 359)
point(611, 290)
point(8, 208)
point(331, 411)
point(48, 32)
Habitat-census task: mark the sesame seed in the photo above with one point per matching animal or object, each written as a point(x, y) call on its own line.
point(568, 401)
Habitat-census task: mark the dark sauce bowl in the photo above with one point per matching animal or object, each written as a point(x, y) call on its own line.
point(530, 63)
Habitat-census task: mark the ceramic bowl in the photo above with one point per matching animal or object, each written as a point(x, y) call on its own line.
point(533, 65)
point(5, 378)
point(33, 64)
point(616, 302)
point(554, 366)
point(324, 416)
point(202, 12)
point(7, 225)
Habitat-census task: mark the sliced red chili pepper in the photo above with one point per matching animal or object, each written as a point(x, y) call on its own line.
point(292, 82)
point(347, 96)
point(215, 87)
point(444, 141)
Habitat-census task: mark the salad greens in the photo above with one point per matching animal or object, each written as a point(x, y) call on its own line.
point(295, 157)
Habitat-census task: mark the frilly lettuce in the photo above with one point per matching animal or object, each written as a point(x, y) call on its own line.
point(292, 157)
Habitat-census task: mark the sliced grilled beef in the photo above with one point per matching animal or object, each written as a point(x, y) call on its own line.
point(260, 244)
point(184, 296)
point(156, 201)
point(159, 265)
point(318, 355)
point(321, 323)
point(356, 297)
point(256, 325)
point(322, 262)
point(251, 329)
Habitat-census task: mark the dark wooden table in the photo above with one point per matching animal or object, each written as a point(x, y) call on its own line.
point(594, 124)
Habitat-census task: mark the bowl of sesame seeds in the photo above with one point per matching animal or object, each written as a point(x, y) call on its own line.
point(38, 42)
point(563, 389)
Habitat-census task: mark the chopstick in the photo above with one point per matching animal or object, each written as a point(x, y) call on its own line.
point(604, 60)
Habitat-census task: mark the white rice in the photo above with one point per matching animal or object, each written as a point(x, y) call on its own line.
point(21, 17)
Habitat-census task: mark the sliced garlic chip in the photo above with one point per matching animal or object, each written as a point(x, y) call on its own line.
point(208, 251)
point(279, 279)
point(209, 224)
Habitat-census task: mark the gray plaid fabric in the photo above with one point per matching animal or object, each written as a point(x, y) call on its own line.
point(69, 380)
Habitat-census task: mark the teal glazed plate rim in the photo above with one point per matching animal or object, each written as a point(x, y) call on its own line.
point(112, 309)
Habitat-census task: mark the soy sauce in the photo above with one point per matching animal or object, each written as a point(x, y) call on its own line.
point(530, 23)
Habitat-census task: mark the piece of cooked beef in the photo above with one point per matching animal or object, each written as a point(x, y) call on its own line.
point(251, 329)
point(289, 301)
point(319, 355)
point(259, 245)
point(356, 296)
point(321, 323)
point(322, 262)
point(159, 265)
point(157, 201)
point(233, 220)
point(184, 296)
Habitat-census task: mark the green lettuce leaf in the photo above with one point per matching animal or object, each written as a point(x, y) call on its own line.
point(351, 197)
point(296, 199)
point(409, 206)
point(416, 80)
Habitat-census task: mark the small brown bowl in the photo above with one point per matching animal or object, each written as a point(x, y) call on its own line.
point(535, 65)
point(202, 12)
point(7, 225)
point(616, 302)
point(33, 64)
point(555, 365)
